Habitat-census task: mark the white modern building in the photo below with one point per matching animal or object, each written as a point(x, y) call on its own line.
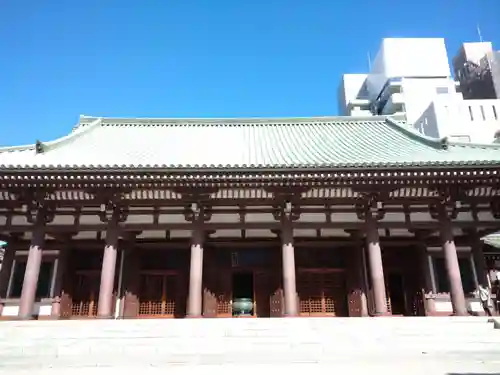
point(412, 78)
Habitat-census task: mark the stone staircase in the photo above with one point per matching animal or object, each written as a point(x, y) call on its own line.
point(452, 345)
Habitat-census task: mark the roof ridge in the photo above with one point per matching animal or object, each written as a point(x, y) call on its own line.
point(47, 146)
point(229, 120)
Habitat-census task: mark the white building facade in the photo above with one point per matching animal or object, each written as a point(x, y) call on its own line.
point(412, 78)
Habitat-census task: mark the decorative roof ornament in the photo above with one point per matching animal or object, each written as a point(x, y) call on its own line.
point(445, 143)
point(39, 147)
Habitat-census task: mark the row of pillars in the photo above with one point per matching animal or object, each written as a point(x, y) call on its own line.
point(196, 271)
point(30, 282)
point(105, 306)
point(374, 262)
point(377, 270)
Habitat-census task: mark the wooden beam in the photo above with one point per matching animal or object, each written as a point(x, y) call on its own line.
point(335, 243)
point(253, 225)
point(246, 207)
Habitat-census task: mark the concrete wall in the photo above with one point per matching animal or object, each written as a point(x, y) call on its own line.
point(475, 121)
point(350, 88)
point(418, 93)
point(495, 72)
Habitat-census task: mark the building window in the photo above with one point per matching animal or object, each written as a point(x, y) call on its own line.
point(495, 115)
point(482, 112)
point(44, 279)
point(466, 272)
point(471, 114)
point(441, 90)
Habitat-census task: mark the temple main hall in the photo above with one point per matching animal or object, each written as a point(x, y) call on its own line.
point(142, 218)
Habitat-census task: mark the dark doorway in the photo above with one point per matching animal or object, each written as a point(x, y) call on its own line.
point(397, 293)
point(242, 285)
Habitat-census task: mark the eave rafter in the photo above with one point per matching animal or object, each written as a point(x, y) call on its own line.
point(261, 177)
point(312, 191)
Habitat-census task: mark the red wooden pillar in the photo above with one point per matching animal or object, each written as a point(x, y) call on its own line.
point(375, 264)
point(289, 278)
point(105, 303)
point(32, 272)
point(196, 272)
point(452, 267)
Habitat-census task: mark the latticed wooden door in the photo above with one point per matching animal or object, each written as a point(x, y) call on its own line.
point(86, 294)
point(321, 293)
point(158, 295)
point(223, 294)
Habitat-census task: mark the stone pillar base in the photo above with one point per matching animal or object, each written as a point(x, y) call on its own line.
point(26, 317)
point(381, 314)
point(105, 317)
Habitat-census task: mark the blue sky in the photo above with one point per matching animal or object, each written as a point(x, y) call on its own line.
point(201, 58)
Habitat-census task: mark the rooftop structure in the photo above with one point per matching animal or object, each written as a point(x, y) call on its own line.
point(411, 78)
point(401, 81)
point(477, 68)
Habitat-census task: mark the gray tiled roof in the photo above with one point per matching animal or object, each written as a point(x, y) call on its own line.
point(336, 142)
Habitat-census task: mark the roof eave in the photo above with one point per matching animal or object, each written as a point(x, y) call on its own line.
point(346, 168)
point(57, 142)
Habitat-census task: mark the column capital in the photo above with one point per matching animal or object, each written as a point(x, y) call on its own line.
point(112, 211)
point(197, 212)
point(40, 210)
point(286, 211)
point(370, 206)
point(447, 202)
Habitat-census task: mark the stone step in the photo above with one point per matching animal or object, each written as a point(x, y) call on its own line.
point(273, 322)
point(257, 323)
point(395, 367)
point(143, 362)
point(252, 335)
point(347, 336)
point(147, 344)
